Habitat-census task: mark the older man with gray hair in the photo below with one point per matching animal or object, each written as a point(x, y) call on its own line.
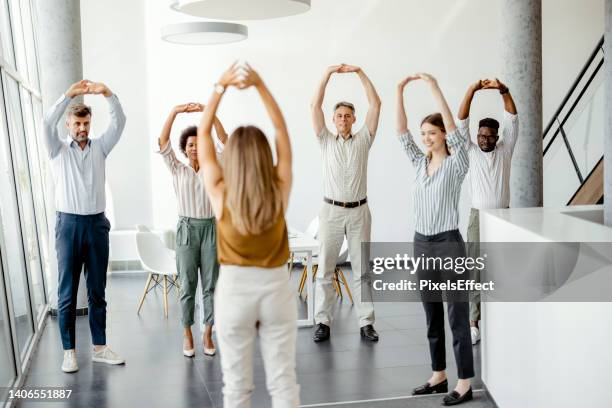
point(345, 211)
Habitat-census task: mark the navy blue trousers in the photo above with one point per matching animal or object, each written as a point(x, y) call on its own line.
point(82, 240)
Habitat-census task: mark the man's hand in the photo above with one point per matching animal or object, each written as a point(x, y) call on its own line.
point(78, 88)
point(334, 69)
point(478, 85)
point(232, 76)
point(251, 77)
point(188, 107)
point(494, 84)
point(99, 88)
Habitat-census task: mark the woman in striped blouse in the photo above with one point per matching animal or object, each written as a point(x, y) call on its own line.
point(196, 237)
point(439, 175)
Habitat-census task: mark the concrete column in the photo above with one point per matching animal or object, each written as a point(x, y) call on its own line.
point(521, 51)
point(61, 64)
point(608, 115)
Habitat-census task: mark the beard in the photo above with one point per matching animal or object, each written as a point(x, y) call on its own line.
point(80, 137)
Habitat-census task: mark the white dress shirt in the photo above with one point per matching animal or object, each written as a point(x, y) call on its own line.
point(489, 174)
point(79, 174)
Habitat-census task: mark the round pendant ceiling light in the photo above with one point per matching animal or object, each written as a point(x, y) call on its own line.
point(204, 33)
point(241, 9)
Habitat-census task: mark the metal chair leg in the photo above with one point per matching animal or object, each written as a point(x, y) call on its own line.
point(144, 293)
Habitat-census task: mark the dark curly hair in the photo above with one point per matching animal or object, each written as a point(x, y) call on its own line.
point(186, 134)
point(489, 122)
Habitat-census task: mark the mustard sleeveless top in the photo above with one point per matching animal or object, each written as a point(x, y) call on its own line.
point(269, 249)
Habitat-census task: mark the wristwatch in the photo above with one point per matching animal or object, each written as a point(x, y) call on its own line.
point(504, 91)
point(219, 88)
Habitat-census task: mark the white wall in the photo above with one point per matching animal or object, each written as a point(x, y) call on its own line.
point(455, 40)
point(113, 35)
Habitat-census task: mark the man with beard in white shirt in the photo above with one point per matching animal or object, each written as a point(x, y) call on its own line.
point(489, 173)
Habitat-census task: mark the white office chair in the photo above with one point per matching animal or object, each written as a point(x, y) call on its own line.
point(339, 279)
point(159, 261)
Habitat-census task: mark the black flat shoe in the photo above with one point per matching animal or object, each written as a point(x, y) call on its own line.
point(427, 389)
point(321, 333)
point(454, 398)
point(368, 332)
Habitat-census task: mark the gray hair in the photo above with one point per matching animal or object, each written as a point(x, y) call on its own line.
point(346, 105)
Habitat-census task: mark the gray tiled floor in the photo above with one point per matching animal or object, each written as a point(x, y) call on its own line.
point(156, 374)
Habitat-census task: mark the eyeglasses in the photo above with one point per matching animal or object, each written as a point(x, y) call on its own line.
point(488, 137)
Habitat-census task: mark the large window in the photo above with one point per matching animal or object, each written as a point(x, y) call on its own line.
point(23, 222)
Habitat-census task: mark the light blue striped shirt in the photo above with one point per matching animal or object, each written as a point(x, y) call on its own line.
point(436, 197)
point(79, 175)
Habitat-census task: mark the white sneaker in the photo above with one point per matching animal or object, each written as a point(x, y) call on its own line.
point(108, 356)
point(70, 363)
point(475, 332)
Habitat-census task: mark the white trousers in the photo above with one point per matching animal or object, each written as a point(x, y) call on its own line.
point(244, 296)
point(334, 223)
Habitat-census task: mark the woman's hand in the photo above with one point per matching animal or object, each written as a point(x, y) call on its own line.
point(428, 78)
point(188, 107)
point(251, 77)
point(231, 77)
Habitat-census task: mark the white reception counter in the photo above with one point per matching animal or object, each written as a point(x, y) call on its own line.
point(548, 354)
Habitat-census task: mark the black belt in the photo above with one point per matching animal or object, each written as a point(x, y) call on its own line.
point(345, 205)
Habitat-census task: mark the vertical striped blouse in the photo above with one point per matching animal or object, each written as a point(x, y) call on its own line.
point(436, 197)
point(192, 198)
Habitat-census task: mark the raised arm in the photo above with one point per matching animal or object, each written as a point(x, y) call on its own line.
point(410, 147)
point(373, 98)
point(316, 106)
point(466, 104)
point(220, 130)
point(54, 114)
point(510, 127)
point(283, 144)
point(447, 116)
point(113, 132)
point(402, 120)
point(212, 173)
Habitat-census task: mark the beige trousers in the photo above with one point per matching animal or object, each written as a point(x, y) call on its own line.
point(243, 297)
point(334, 224)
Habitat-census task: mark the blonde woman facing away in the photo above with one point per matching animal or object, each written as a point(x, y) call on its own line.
point(249, 197)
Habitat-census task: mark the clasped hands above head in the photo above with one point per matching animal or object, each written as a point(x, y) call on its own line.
point(240, 76)
point(489, 84)
point(87, 87)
